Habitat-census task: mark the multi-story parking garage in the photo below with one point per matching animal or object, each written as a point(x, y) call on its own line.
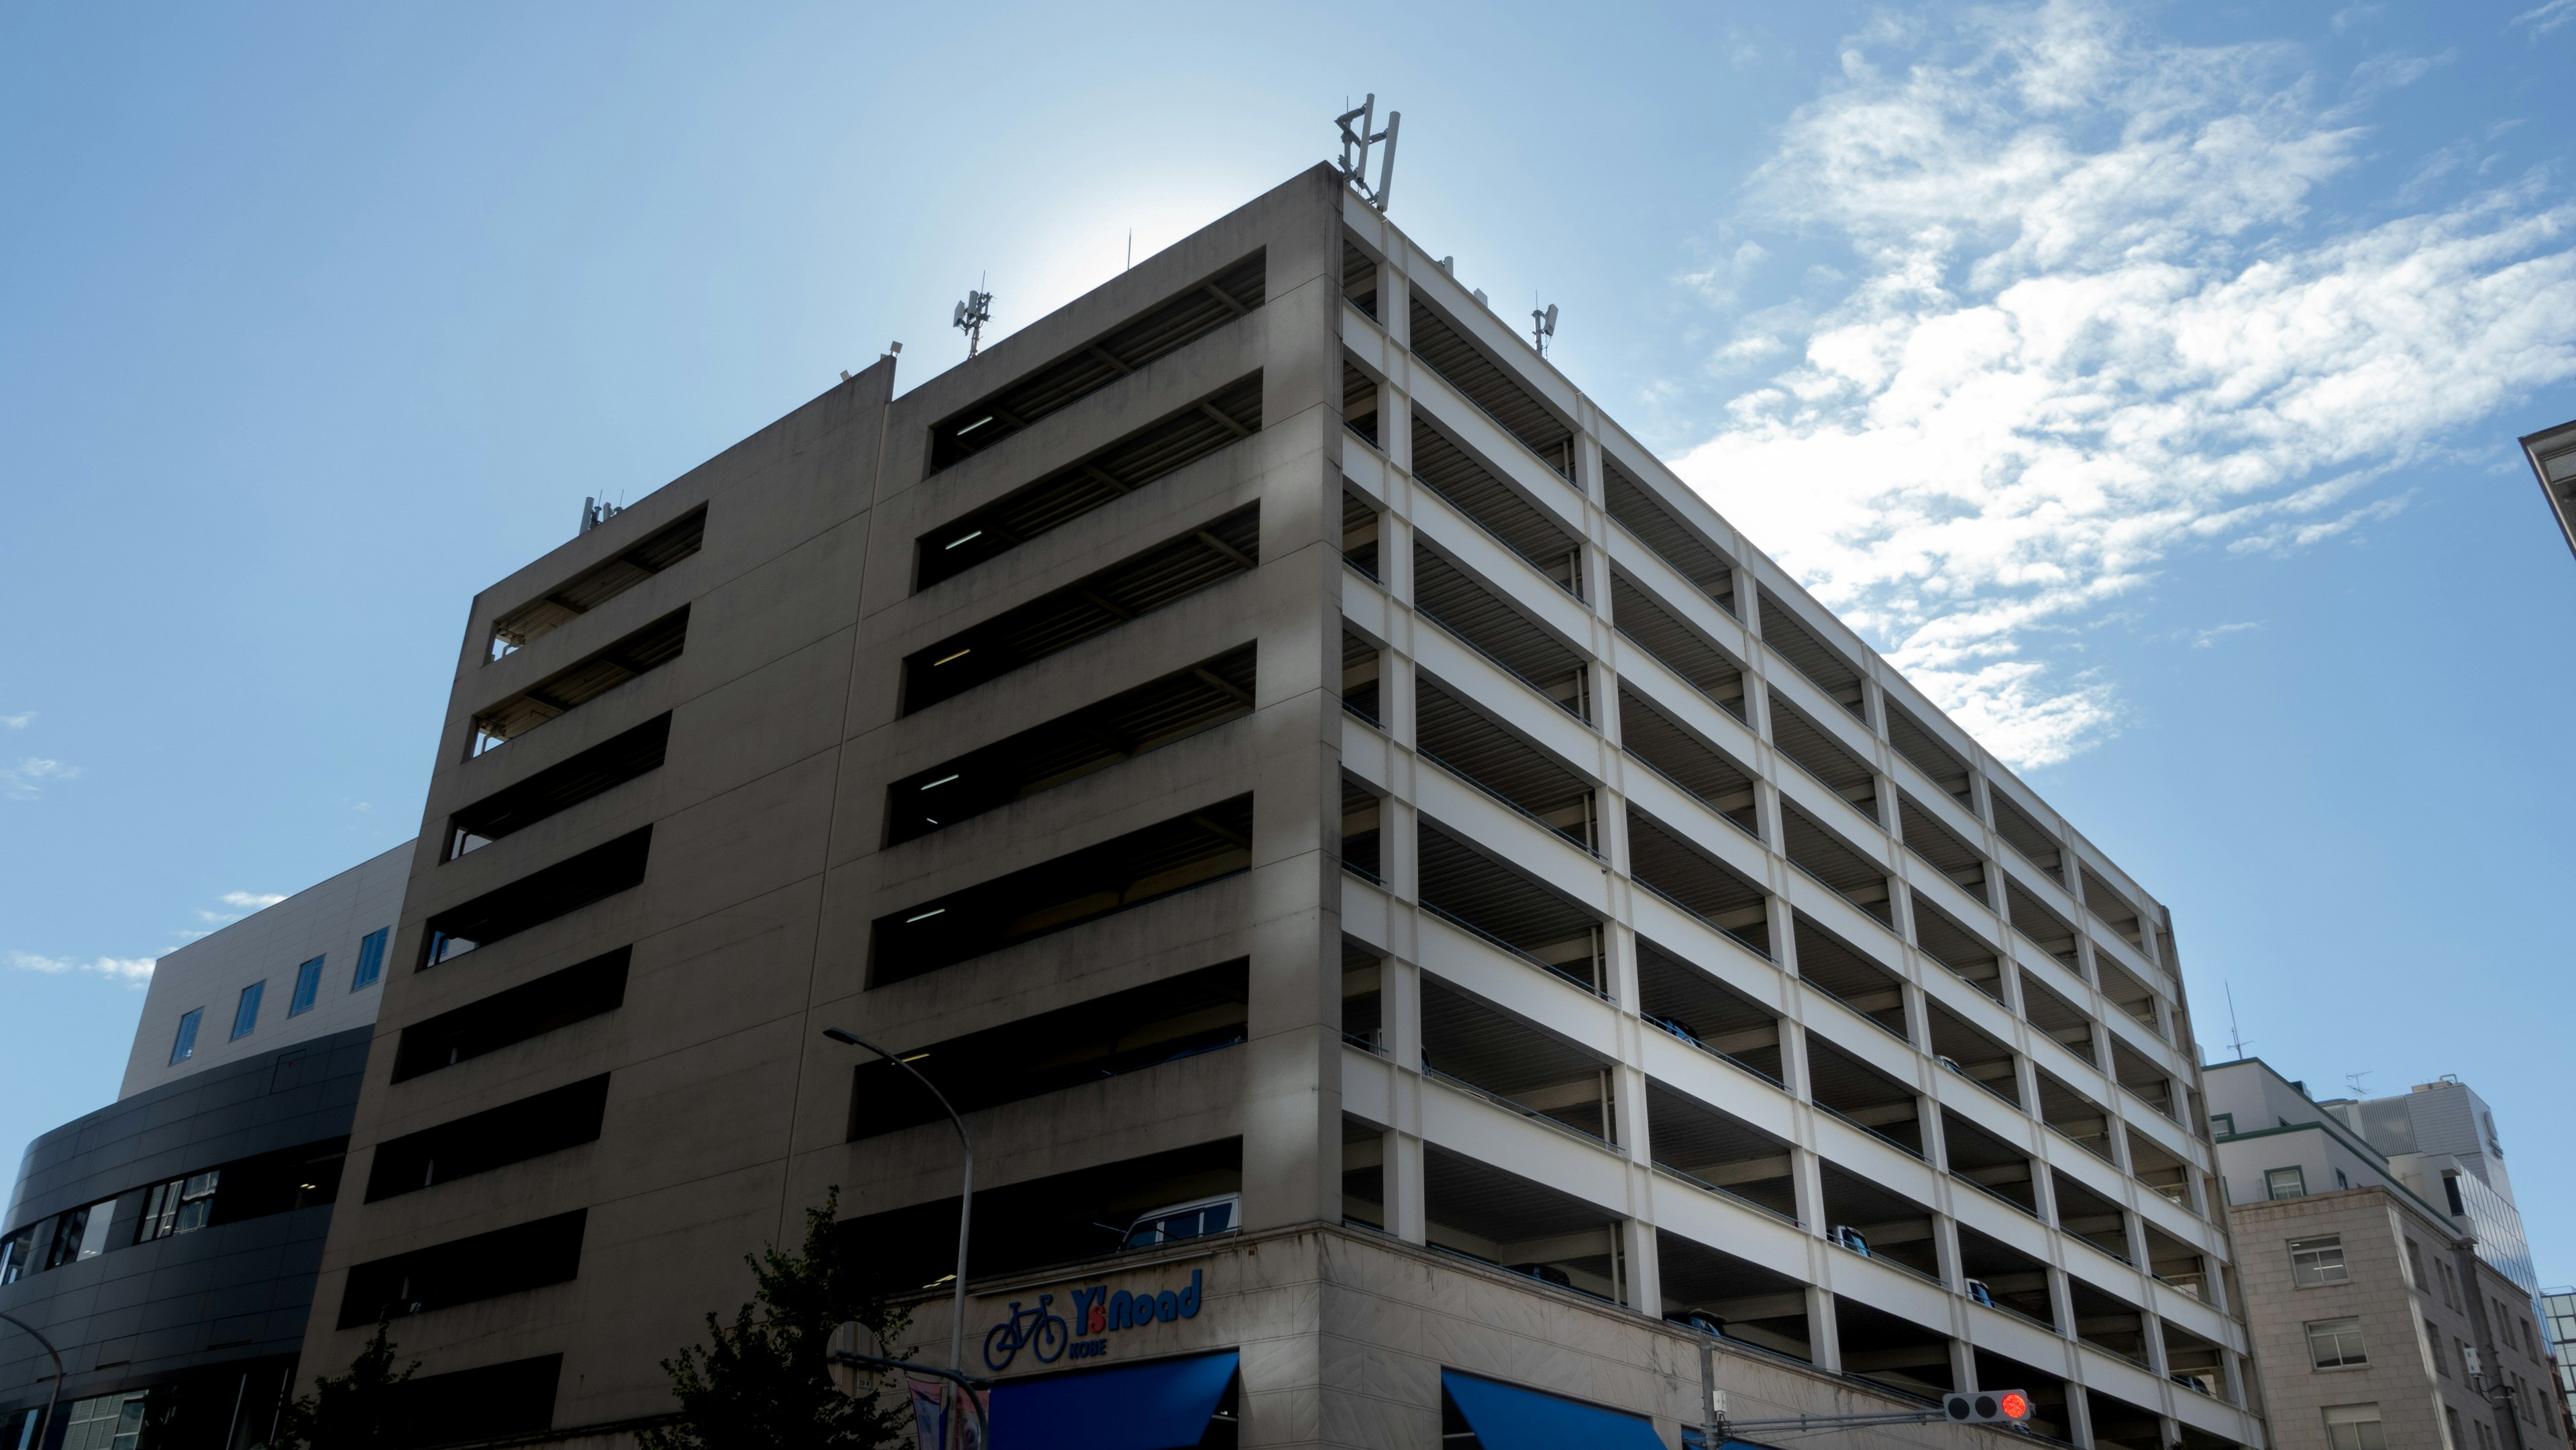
point(1300, 779)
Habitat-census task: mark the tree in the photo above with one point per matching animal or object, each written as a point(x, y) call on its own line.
point(360, 1410)
point(764, 1381)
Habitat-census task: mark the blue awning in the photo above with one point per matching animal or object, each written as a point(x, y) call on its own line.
point(1507, 1417)
point(1163, 1404)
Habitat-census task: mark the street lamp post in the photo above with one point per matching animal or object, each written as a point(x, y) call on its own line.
point(965, 1200)
point(45, 1426)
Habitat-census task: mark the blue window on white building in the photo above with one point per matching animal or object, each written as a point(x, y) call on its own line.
point(308, 985)
point(371, 959)
point(246, 1015)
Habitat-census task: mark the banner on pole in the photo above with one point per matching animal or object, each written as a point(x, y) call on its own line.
point(943, 1416)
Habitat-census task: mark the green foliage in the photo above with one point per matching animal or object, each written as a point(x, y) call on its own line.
point(763, 1382)
point(359, 1410)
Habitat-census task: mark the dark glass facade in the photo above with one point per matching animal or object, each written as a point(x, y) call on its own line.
point(167, 1245)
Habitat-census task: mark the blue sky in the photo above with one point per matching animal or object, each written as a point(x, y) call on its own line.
point(2144, 380)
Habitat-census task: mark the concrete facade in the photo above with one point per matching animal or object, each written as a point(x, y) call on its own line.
point(327, 922)
point(1386, 1055)
point(2406, 1272)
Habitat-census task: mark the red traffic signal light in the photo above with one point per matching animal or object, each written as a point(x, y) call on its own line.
point(1988, 1407)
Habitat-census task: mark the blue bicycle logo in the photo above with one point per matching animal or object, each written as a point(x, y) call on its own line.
point(1041, 1333)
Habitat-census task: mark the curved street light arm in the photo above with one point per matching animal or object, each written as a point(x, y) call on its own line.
point(965, 1200)
point(54, 1395)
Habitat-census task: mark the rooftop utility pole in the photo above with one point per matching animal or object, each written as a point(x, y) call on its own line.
point(1355, 150)
point(970, 317)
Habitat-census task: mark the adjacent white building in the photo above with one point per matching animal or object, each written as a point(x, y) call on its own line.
point(303, 968)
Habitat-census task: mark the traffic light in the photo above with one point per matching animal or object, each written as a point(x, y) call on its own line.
point(1988, 1407)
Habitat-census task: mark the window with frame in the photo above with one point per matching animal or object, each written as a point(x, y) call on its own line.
point(182, 1205)
point(308, 985)
point(2486, 1437)
point(2318, 1261)
point(246, 1011)
point(80, 1234)
point(2450, 1285)
point(371, 959)
point(2433, 1338)
point(183, 1044)
point(2342, 1180)
point(2336, 1344)
point(2415, 1267)
point(2355, 1427)
point(2222, 1125)
point(2285, 1182)
point(107, 1422)
point(15, 1251)
point(2451, 1420)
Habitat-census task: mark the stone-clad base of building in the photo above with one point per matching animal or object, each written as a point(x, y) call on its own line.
point(1343, 1335)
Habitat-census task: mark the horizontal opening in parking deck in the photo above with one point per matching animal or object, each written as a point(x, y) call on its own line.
point(494, 1138)
point(1175, 323)
point(531, 1009)
point(462, 1271)
point(1159, 449)
point(1104, 1037)
point(1160, 860)
point(1071, 746)
point(596, 586)
point(646, 650)
point(537, 898)
point(559, 787)
point(1128, 589)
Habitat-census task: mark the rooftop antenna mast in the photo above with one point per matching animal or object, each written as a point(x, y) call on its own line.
point(970, 317)
point(1542, 327)
point(2235, 1039)
point(1355, 149)
point(2352, 1081)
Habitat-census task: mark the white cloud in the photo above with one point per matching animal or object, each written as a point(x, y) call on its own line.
point(246, 902)
point(2211, 636)
point(2546, 18)
point(22, 782)
point(19, 720)
point(133, 971)
point(2094, 326)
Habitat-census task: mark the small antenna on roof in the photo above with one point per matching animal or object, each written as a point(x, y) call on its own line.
point(1542, 327)
point(1355, 149)
point(2235, 1039)
point(970, 317)
point(2352, 1081)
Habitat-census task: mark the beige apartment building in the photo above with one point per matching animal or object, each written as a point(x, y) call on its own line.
point(2378, 1321)
point(1424, 920)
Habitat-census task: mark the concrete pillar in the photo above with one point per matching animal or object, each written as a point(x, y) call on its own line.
point(1402, 1185)
point(2079, 1417)
point(1824, 1336)
point(1645, 1283)
point(1292, 1108)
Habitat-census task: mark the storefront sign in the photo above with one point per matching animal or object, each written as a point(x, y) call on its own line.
point(1097, 1313)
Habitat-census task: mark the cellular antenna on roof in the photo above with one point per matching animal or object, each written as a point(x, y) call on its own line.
point(970, 317)
point(1542, 327)
point(1355, 149)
